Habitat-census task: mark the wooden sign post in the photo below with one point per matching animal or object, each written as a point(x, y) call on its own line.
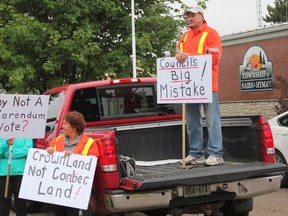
point(8, 172)
point(187, 82)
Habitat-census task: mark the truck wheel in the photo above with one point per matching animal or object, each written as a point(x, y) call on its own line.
point(230, 211)
point(279, 158)
point(215, 213)
point(237, 207)
point(128, 214)
point(155, 213)
point(134, 214)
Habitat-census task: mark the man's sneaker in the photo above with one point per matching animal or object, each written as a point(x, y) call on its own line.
point(194, 160)
point(213, 160)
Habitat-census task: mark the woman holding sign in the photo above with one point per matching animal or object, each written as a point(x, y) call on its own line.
point(13, 154)
point(74, 141)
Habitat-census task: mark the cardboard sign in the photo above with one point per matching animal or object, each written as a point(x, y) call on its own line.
point(59, 180)
point(188, 82)
point(23, 116)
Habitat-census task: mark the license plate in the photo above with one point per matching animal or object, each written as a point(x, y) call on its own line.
point(197, 190)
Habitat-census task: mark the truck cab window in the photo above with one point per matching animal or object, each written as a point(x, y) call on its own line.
point(168, 109)
point(133, 101)
point(55, 100)
point(127, 100)
point(85, 102)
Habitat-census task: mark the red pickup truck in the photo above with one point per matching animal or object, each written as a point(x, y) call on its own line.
point(124, 115)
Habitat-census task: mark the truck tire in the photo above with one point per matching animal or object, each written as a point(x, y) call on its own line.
point(237, 207)
point(130, 214)
point(155, 213)
point(279, 158)
point(215, 213)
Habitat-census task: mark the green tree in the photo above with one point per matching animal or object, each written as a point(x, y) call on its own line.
point(281, 84)
point(45, 43)
point(277, 14)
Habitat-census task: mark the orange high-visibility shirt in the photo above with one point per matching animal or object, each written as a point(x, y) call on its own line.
point(205, 41)
point(85, 146)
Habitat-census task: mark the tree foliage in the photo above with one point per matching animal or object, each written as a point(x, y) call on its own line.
point(277, 14)
point(44, 43)
point(281, 84)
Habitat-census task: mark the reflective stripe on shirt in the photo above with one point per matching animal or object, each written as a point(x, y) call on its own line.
point(181, 44)
point(87, 146)
point(54, 147)
point(201, 43)
point(216, 49)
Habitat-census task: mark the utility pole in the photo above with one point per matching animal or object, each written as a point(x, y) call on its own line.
point(286, 11)
point(259, 13)
point(133, 40)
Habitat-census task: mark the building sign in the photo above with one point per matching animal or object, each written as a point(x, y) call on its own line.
point(256, 72)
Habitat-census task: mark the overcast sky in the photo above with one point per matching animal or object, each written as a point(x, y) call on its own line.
point(233, 16)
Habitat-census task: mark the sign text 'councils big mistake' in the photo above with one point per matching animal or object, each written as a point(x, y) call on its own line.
point(23, 116)
point(187, 82)
point(59, 180)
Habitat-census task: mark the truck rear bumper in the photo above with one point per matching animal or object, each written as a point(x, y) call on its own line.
point(129, 201)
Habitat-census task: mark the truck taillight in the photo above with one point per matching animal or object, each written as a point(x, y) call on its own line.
point(266, 138)
point(108, 159)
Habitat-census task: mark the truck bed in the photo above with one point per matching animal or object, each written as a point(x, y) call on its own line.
point(163, 140)
point(173, 174)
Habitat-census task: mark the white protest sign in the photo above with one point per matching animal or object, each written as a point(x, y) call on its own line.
point(56, 179)
point(187, 82)
point(23, 116)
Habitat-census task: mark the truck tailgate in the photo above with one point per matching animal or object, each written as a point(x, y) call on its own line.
point(173, 174)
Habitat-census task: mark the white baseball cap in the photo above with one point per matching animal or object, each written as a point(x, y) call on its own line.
point(196, 9)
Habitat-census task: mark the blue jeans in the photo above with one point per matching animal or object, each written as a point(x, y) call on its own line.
point(195, 128)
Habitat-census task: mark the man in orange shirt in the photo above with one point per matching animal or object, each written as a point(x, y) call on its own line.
point(201, 39)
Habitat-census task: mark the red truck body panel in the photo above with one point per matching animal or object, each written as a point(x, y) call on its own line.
point(107, 178)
